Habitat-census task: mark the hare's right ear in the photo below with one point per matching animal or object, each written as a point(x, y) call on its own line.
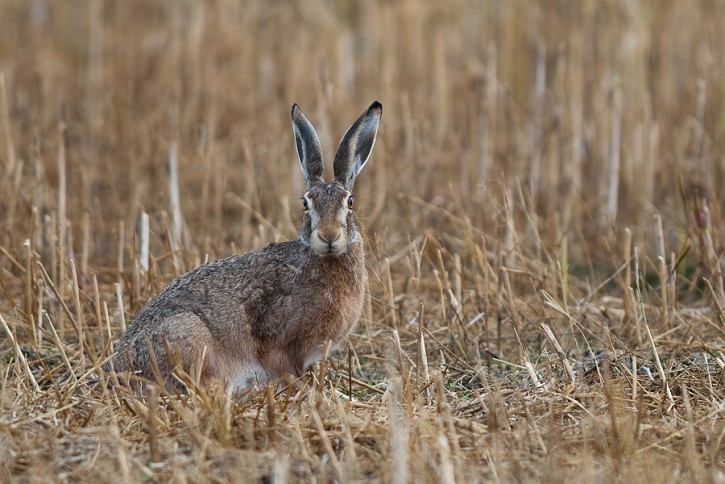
point(308, 147)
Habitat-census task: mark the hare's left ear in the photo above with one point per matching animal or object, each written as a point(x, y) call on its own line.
point(357, 144)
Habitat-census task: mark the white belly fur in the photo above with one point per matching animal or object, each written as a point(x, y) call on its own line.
point(249, 376)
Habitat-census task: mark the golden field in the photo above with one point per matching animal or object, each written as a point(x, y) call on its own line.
point(544, 235)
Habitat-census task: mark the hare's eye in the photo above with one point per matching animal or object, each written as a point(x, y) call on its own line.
point(349, 202)
point(305, 204)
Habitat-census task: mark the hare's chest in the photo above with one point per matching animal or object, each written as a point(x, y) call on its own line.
point(349, 315)
point(335, 326)
point(334, 305)
point(351, 308)
point(348, 303)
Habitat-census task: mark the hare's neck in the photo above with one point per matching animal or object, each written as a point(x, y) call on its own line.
point(350, 265)
point(356, 253)
point(352, 259)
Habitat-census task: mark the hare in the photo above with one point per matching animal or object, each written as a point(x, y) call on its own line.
point(251, 318)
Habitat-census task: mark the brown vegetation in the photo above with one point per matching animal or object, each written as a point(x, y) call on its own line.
point(544, 232)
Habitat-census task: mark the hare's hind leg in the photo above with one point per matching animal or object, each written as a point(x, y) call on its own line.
point(184, 342)
point(167, 350)
point(155, 349)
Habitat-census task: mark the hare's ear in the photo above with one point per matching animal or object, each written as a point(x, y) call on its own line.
point(356, 146)
point(308, 147)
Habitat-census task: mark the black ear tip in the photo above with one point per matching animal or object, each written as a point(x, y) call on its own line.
point(376, 106)
point(295, 109)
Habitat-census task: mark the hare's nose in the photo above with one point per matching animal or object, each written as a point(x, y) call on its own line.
point(330, 238)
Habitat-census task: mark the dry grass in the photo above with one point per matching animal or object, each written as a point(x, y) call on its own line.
point(544, 226)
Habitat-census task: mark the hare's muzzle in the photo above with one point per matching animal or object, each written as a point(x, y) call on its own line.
point(330, 241)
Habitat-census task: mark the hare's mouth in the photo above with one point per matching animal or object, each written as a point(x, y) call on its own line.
point(328, 250)
point(328, 246)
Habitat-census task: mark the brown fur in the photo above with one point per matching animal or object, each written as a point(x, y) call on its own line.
point(263, 314)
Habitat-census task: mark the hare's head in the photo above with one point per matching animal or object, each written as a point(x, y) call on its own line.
point(328, 223)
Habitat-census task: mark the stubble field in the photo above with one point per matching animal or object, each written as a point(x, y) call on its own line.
point(543, 224)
